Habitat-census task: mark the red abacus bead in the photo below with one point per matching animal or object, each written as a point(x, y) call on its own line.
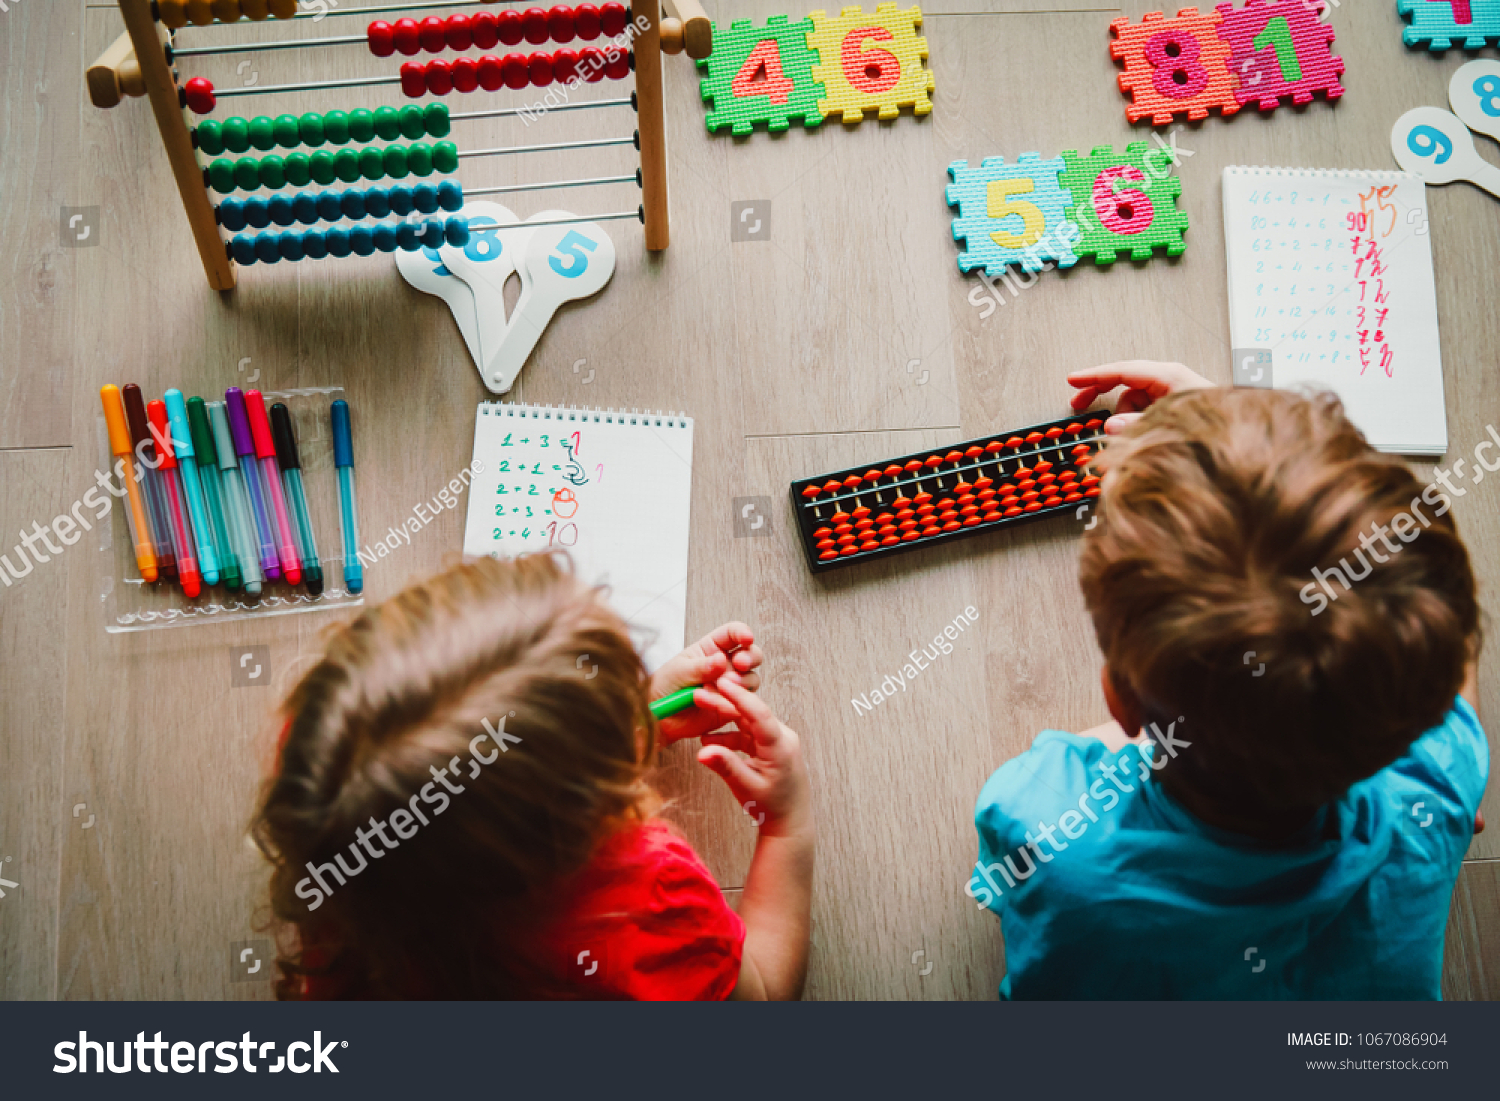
point(408, 36)
point(823, 533)
point(812, 491)
point(1035, 506)
point(1074, 428)
point(434, 35)
point(850, 549)
point(1093, 424)
point(869, 545)
point(465, 74)
point(459, 32)
point(413, 79)
point(972, 522)
point(1034, 437)
point(565, 65)
point(485, 30)
point(509, 23)
point(1074, 496)
point(534, 24)
point(586, 22)
point(439, 78)
point(911, 535)
point(1014, 510)
point(591, 64)
point(1050, 502)
point(890, 541)
point(1094, 492)
point(826, 555)
point(539, 66)
point(560, 24)
point(200, 95)
point(1014, 441)
point(382, 38)
point(491, 73)
point(517, 73)
point(612, 18)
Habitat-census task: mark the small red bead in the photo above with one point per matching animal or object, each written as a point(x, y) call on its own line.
point(439, 78)
point(382, 38)
point(560, 24)
point(911, 535)
point(517, 74)
point(612, 18)
point(413, 79)
point(485, 29)
point(491, 75)
point(565, 65)
point(534, 23)
point(826, 555)
point(972, 522)
point(408, 36)
point(1051, 502)
point(459, 32)
point(1014, 510)
point(1094, 492)
point(434, 35)
point(465, 74)
point(850, 549)
point(890, 541)
point(539, 65)
point(1035, 506)
point(591, 64)
point(586, 22)
point(200, 95)
point(511, 30)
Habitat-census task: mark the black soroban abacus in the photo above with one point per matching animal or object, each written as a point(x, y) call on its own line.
point(933, 496)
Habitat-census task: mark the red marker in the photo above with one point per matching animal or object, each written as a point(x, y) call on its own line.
point(182, 535)
point(270, 481)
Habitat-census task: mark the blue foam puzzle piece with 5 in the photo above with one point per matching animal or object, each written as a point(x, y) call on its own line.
point(1435, 23)
point(996, 243)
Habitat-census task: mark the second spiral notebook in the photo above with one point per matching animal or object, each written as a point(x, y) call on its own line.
point(612, 488)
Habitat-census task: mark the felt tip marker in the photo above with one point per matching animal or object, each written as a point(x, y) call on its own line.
point(244, 447)
point(207, 455)
point(343, 458)
point(192, 487)
point(678, 701)
point(270, 485)
point(156, 497)
point(296, 497)
point(236, 508)
point(119, 446)
point(182, 533)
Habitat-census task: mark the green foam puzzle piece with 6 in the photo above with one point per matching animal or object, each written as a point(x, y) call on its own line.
point(1104, 186)
point(784, 69)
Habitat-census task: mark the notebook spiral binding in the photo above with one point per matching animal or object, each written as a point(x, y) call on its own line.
point(1320, 173)
point(584, 415)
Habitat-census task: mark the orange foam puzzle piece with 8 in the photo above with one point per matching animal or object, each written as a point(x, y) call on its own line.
point(1174, 66)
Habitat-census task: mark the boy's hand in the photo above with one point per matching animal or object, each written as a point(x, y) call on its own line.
point(727, 651)
point(771, 775)
point(1144, 383)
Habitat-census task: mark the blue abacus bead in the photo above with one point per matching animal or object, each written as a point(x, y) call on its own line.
point(450, 196)
point(329, 209)
point(425, 198)
point(316, 246)
point(290, 244)
point(257, 213)
point(267, 251)
point(281, 210)
point(337, 240)
point(305, 207)
point(377, 204)
point(352, 203)
point(401, 202)
point(407, 237)
point(432, 233)
point(361, 240)
point(232, 215)
point(385, 237)
point(456, 232)
point(242, 248)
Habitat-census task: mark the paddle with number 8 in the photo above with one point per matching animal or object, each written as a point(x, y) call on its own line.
point(1475, 96)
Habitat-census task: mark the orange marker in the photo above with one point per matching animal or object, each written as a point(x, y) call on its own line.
point(119, 444)
point(182, 535)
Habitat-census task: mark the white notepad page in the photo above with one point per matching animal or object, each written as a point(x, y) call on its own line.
point(1331, 272)
point(613, 489)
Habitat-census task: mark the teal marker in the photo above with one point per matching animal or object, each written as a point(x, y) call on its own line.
point(182, 447)
point(296, 497)
point(343, 458)
point(208, 473)
point(236, 509)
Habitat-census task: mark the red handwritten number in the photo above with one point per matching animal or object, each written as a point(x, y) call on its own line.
point(565, 536)
point(577, 440)
point(870, 71)
point(761, 75)
point(600, 472)
point(1463, 13)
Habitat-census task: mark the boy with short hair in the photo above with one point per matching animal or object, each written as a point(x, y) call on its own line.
point(1294, 822)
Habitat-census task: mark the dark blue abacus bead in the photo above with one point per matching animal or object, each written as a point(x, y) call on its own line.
point(377, 203)
point(450, 196)
point(329, 209)
point(266, 249)
point(243, 249)
point(401, 202)
point(425, 198)
point(385, 237)
point(290, 244)
point(257, 213)
point(232, 215)
point(305, 207)
point(281, 210)
point(316, 246)
point(337, 240)
point(361, 240)
point(456, 232)
point(352, 203)
point(407, 237)
point(432, 233)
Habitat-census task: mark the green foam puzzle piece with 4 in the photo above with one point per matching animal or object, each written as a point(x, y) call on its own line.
point(761, 74)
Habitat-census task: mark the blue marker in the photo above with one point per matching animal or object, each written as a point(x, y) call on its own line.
point(343, 458)
point(182, 447)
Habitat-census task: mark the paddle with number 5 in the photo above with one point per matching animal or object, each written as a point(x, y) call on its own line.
point(1435, 145)
point(565, 263)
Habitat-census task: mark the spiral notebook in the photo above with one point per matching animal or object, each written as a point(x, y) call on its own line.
point(611, 488)
point(1331, 286)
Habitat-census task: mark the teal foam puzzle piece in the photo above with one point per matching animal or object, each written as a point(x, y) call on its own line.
point(1111, 218)
point(783, 72)
point(978, 229)
point(1442, 24)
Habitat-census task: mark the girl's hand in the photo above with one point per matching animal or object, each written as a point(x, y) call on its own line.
point(727, 651)
point(1144, 383)
point(771, 779)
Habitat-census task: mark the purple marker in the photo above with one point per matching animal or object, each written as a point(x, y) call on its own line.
point(244, 448)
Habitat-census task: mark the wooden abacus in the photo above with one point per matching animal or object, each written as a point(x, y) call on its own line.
point(948, 493)
point(143, 62)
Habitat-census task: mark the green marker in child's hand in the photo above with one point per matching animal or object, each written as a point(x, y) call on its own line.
point(670, 705)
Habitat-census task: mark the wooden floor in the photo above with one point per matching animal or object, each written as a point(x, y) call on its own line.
point(846, 337)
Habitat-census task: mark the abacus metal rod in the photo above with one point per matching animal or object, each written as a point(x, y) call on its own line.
point(592, 144)
point(384, 8)
point(504, 112)
point(246, 47)
point(579, 220)
point(312, 85)
point(543, 186)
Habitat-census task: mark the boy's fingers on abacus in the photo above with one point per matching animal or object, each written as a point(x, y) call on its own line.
point(1119, 422)
point(1086, 396)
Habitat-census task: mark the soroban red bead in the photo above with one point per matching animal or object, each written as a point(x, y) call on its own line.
point(439, 78)
point(460, 32)
point(465, 72)
point(560, 24)
point(539, 67)
point(491, 75)
point(516, 71)
point(509, 23)
point(591, 64)
point(408, 36)
point(434, 35)
point(612, 18)
point(617, 64)
point(534, 23)
point(414, 79)
point(382, 38)
point(586, 22)
point(485, 29)
point(200, 95)
point(564, 65)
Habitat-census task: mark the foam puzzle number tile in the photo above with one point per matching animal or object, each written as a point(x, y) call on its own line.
point(1011, 214)
point(1124, 202)
point(1281, 49)
point(871, 62)
point(1174, 66)
point(1441, 24)
point(761, 74)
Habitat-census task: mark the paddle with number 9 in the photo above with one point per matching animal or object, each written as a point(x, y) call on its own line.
point(1435, 145)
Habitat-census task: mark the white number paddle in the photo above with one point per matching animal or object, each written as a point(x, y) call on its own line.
point(1475, 96)
point(1435, 145)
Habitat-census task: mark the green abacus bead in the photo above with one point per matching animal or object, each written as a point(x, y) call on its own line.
point(322, 168)
point(262, 133)
point(395, 162)
point(361, 125)
point(272, 172)
point(221, 176)
point(413, 125)
point(419, 159)
point(371, 163)
point(288, 133)
point(310, 129)
point(336, 127)
point(298, 169)
point(445, 156)
point(236, 134)
point(346, 165)
point(438, 123)
point(210, 138)
point(387, 123)
point(247, 173)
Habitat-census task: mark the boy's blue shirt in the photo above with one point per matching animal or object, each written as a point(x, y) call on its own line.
point(1150, 902)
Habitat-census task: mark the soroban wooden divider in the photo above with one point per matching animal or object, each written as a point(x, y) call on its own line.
point(142, 62)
